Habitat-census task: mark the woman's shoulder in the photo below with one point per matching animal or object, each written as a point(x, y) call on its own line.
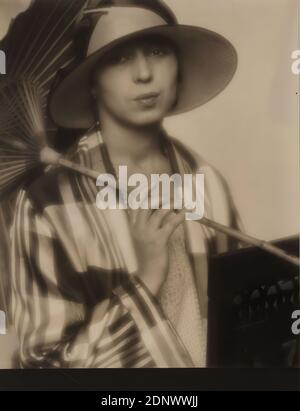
point(46, 189)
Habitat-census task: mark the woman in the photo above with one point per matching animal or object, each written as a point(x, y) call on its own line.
point(107, 288)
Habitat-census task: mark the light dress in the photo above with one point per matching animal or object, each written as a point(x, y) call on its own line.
point(179, 299)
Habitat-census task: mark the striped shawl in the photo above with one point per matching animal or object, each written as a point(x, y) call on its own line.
point(77, 300)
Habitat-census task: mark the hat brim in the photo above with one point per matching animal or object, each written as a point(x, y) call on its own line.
point(208, 62)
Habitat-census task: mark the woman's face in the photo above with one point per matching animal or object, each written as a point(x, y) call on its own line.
point(137, 81)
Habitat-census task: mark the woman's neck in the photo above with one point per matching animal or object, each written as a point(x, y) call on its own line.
point(131, 144)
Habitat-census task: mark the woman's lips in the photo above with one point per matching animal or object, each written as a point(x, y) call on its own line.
point(147, 100)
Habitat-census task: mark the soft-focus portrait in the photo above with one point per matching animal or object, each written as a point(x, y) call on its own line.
point(194, 91)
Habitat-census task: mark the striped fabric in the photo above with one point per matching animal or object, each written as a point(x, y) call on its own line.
point(77, 300)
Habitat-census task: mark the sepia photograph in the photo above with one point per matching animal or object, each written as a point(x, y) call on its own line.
point(149, 186)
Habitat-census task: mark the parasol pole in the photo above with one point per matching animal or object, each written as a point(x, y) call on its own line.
point(245, 238)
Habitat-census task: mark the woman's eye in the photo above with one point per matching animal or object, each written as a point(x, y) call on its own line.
point(121, 59)
point(157, 51)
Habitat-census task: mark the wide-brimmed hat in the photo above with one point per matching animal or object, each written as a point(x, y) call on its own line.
point(207, 60)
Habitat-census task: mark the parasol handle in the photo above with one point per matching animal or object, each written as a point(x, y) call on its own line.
point(78, 168)
point(265, 245)
point(49, 156)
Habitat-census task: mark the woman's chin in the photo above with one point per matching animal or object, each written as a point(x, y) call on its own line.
point(147, 118)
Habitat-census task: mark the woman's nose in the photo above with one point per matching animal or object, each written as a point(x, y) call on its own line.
point(142, 70)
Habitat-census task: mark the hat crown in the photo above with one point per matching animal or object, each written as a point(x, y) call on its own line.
point(157, 6)
point(118, 22)
point(93, 14)
point(105, 21)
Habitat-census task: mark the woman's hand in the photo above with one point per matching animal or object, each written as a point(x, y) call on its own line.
point(151, 230)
